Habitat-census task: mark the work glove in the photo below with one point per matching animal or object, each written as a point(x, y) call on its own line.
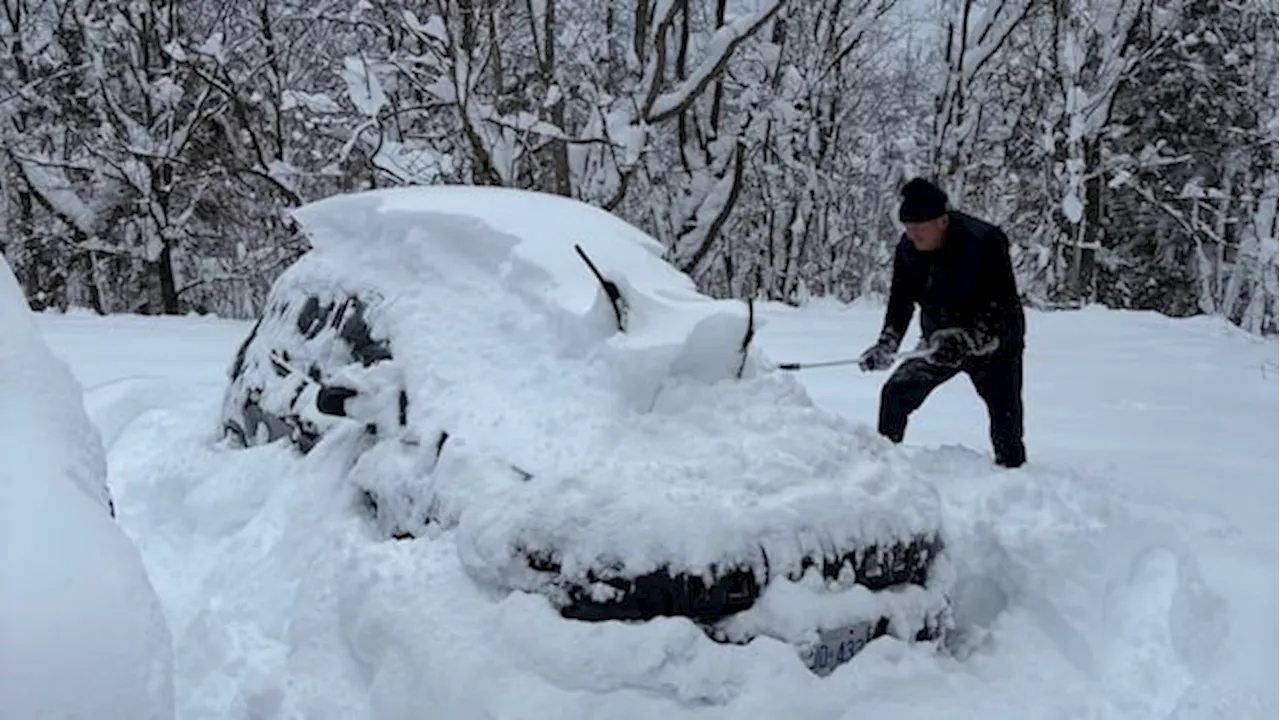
point(880, 355)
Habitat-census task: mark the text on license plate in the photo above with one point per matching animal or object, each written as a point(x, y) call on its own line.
point(836, 647)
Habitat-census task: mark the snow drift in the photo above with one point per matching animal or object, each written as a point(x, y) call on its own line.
point(81, 629)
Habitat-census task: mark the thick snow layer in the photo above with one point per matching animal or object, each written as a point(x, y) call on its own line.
point(81, 629)
point(797, 610)
point(1128, 571)
point(644, 448)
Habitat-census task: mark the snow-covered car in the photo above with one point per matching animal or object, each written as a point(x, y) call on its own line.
point(525, 374)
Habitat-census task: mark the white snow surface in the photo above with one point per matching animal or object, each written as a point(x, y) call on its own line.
point(1127, 571)
point(82, 633)
point(644, 447)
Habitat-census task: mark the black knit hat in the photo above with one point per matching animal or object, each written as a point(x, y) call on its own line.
point(921, 201)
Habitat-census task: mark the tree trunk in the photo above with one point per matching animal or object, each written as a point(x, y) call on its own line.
point(168, 285)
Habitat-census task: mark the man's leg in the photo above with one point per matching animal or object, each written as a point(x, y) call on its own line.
point(905, 391)
point(999, 383)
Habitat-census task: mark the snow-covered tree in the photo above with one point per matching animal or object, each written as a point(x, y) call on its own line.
point(829, 139)
point(1193, 173)
point(969, 112)
point(50, 213)
point(1250, 289)
point(150, 151)
point(1095, 52)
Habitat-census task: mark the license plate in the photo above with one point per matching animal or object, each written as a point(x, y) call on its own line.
point(837, 647)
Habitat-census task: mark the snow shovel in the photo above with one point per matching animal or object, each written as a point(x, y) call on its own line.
point(853, 361)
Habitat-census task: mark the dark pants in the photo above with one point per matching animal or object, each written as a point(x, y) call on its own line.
point(998, 382)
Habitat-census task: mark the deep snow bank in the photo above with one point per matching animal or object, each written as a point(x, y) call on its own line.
point(538, 427)
point(285, 606)
point(81, 629)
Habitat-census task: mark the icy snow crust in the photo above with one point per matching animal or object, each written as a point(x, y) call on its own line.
point(81, 629)
point(642, 449)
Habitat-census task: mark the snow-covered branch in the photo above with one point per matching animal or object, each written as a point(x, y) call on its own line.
point(720, 48)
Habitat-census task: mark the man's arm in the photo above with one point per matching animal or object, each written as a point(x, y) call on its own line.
point(997, 286)
point(902, 303)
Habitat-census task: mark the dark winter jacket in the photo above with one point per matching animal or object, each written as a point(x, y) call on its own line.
point(967, 283)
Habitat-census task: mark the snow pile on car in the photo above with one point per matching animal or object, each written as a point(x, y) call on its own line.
point(548, 429)
point(81, 629)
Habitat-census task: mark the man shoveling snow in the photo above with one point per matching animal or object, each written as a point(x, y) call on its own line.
point(957, 269)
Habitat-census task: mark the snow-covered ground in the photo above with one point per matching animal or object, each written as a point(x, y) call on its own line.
point(1128, 571)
